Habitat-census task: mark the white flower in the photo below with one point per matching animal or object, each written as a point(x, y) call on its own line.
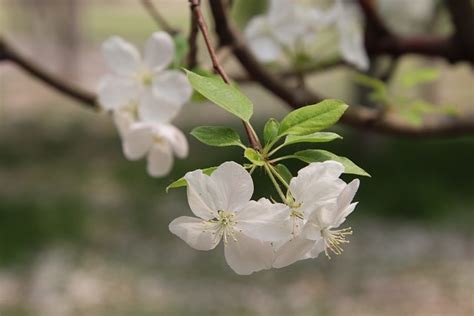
point(349, 23)
point(223, 208)
point(144, 87)
point(321, 203)
point(407, 16)
point(285, 27)
point(158, 141)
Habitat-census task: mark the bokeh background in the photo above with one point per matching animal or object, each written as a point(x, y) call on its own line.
point(85, 232)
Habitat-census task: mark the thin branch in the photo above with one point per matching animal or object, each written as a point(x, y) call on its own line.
point(356, 116)
point(195, 7)
point(158, 18)
point(192, 41)
point(85, 97)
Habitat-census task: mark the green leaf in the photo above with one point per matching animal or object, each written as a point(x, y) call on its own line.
point(181, 182)
point(284, 172)
point(181, 49)
point(226, 96)
point(312, 118)
point(318, 137)
point(270, 131)
point(318, 155)
point(419, 76)
point(254, 157)
point(217, 136)
point(380, 90)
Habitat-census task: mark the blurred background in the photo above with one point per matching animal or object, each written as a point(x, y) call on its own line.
point(85, 232)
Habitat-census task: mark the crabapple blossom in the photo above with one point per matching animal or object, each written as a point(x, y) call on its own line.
point(143, 86)
point(159, 142)
point(321, 202)
point(224, 211)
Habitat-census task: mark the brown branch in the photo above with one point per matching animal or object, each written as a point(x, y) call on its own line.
point(355, 116)
point(196, 9)
point(53, 81)
point(192, 41)
point(462, 17)
point(379, 40)
point(158, 18)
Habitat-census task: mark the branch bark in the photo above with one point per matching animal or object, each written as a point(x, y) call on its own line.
point(7, 52)
point(356, 116)
point(196, 9)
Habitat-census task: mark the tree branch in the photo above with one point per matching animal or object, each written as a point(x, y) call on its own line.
point(196, 9)
point(462, 17)
point(158, 18)
point(7, 52)
point(355, 116)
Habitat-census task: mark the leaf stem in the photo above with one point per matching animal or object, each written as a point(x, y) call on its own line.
point(275, 183)
point(279, 177)
point(281, 158)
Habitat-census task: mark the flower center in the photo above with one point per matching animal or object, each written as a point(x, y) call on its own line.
point(225, 225)
point(146, 78)
point(297, 218)
point(334, 239)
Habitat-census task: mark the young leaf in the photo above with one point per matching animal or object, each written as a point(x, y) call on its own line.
point(254, 157)
point(217, 136)
point(419, 76)
point(226, 96)
point(181, 182)
point(312, 118)
point(317, 155)
point(284, 172)
point(318, 137)
point(270, 131)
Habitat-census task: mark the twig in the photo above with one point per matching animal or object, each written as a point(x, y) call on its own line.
point(196, 9)
point(64, 87)
point(192, 41)
point(158, 18)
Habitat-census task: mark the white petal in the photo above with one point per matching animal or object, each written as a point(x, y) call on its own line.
point(205, 198)
point(292, 251)
point(115, 92)
point(123, 121)
point(318, 247)
point(264, 221)
point(311, 231)
point(235, 183)
point(157, 109)
point(341, 218)
point(160, 159)
point(175, 138)
point(351, 36)
point(317, 184)
point(121, 56)
point(195, 232)
point(246, 255)
point(159, 51)
point(137, 141)
point(258, 37)
point(173, 85)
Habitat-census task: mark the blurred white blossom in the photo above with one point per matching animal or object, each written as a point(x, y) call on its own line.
point(290, 28)
point(224, 210)
point(143, 86)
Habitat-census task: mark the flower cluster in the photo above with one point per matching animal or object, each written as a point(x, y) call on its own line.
point(144, 97)
point(259, 235)
point(291, 29)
